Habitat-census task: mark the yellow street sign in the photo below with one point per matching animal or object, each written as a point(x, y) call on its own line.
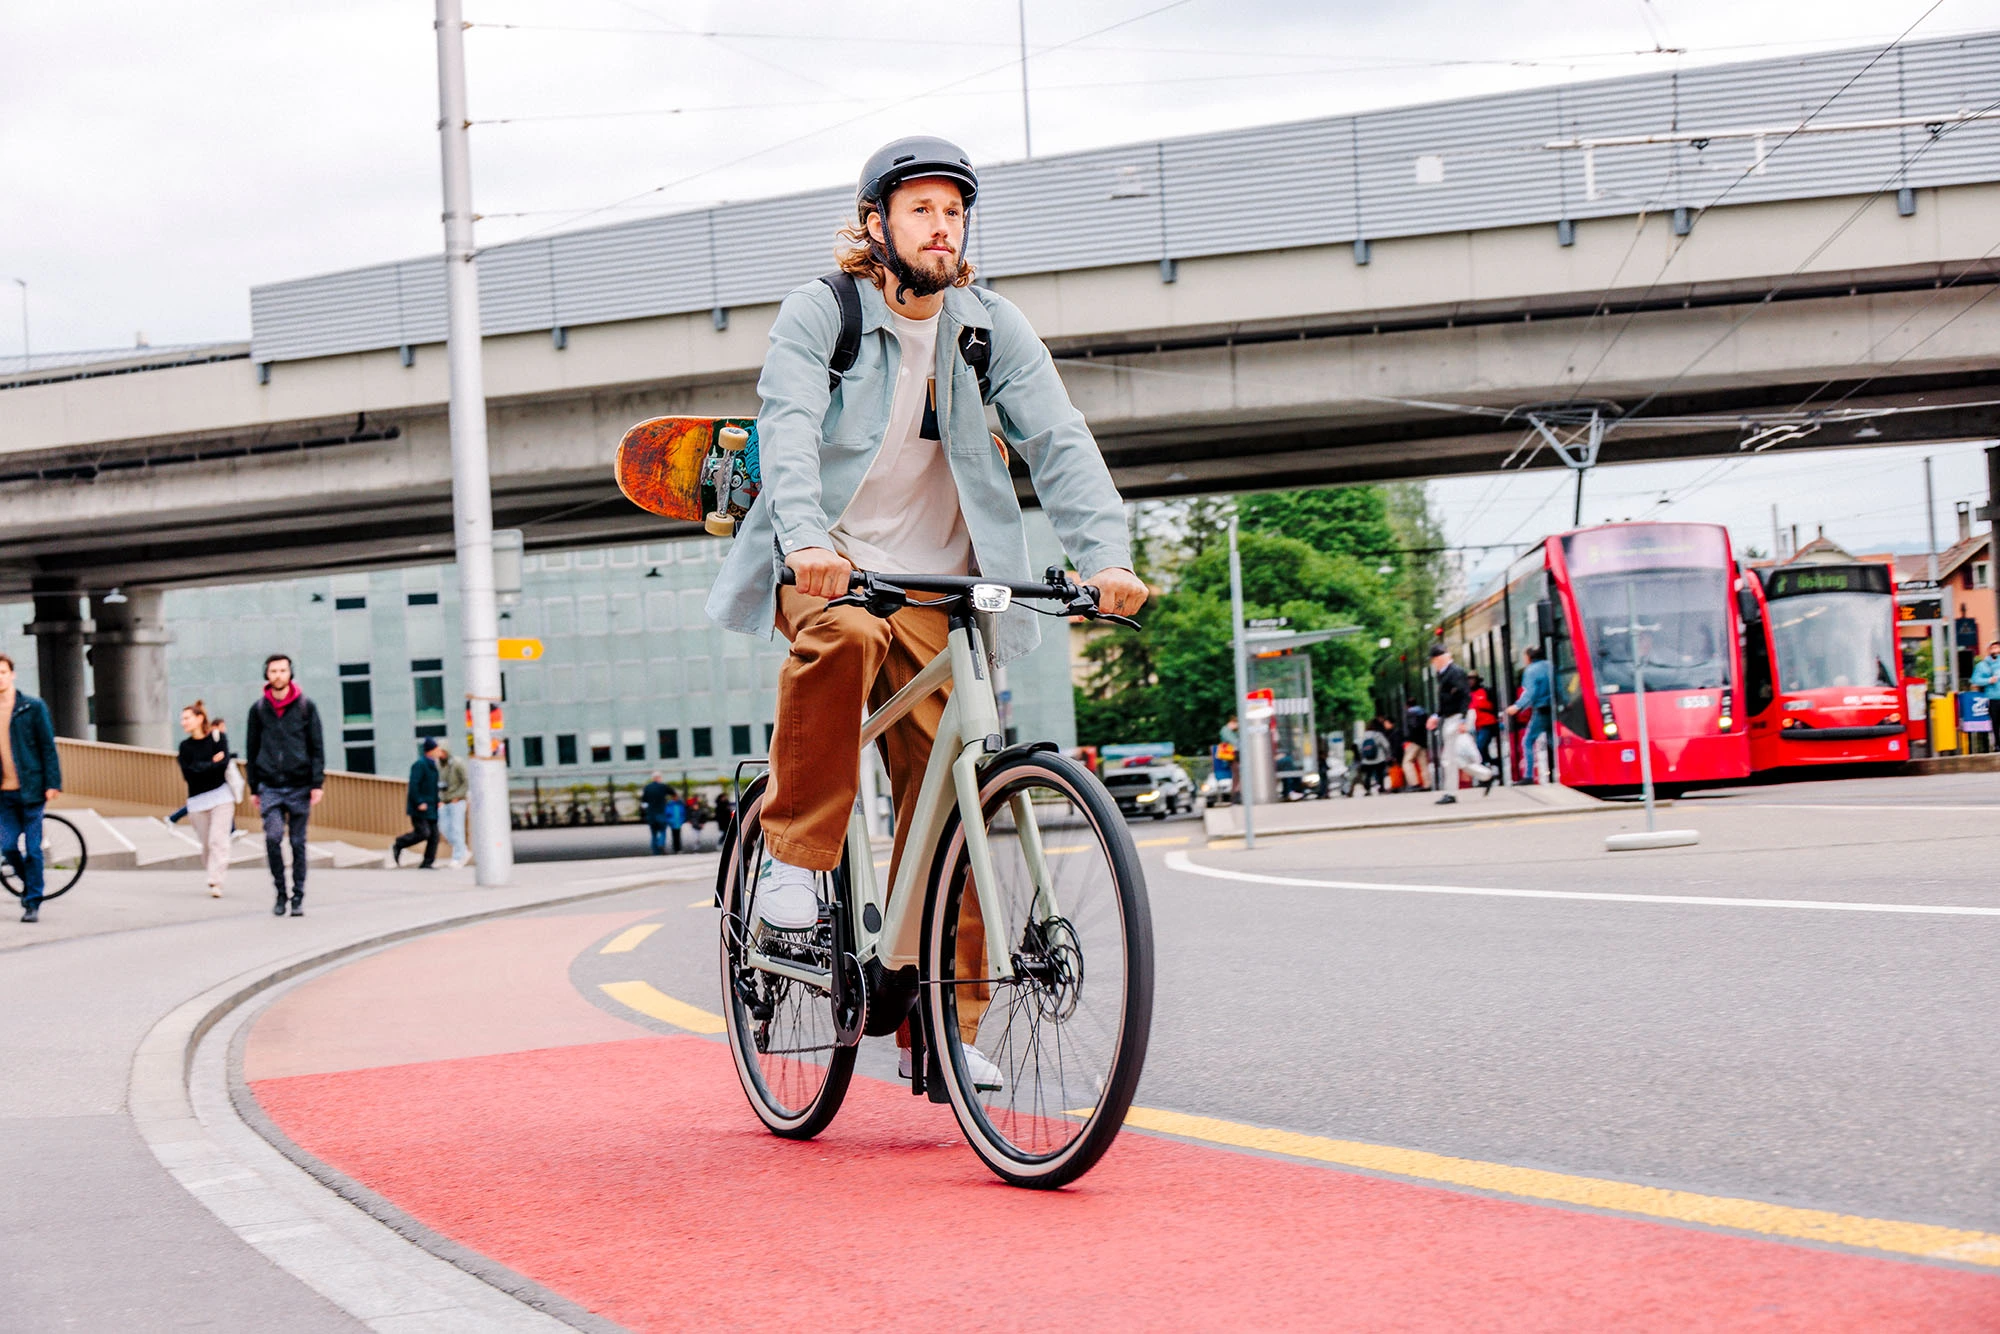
point(521, 650)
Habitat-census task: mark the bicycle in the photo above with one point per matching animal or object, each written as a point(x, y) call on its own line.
point(1024, 932)
point(63, 854)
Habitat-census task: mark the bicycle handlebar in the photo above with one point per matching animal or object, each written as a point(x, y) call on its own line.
point(873, 589)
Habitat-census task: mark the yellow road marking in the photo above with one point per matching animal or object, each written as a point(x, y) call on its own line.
point(1926, 1240)
point(656, 1004)
point(628, 940)
point(705, 901)
point(1161, 842)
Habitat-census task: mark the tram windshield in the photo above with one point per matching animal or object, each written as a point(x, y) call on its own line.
point(1677, 577)
point(1832, 627)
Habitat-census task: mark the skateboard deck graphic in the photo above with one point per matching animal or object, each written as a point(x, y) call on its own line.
point(691, 468)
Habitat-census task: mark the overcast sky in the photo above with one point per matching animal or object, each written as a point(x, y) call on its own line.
point(156, 160)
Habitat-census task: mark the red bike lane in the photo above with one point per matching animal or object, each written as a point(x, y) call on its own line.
point(463, 1079)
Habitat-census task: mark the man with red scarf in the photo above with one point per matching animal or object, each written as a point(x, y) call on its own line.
point(286, 758)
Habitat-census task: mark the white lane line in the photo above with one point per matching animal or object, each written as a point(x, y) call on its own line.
point(1180, 861)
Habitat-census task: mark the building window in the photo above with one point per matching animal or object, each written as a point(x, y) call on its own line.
point(350, 604)
point(427, 688)
point(531, 752)
point(600, 747)
point(1982, 574)
point(670, 743)
point(357, 696)
point(360, 749)
point(423, 599)
point(768, 729)
point(634, 742)
point(566, 748)
point(739, 739)
point(430, 729)
point(704, 742)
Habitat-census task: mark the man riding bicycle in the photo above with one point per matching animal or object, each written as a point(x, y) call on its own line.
point(886, 464)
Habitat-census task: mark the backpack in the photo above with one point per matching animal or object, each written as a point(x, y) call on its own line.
point(973, 344)
point(1374, 748)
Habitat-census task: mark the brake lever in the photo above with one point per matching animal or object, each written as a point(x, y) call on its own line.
point(1116, 619)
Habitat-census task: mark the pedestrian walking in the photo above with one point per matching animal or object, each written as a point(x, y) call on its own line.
point(725, 812)
point(285, 754)
point(1416, 727)
point(1485, 721)
point(697, 816)
point(454, 787)
point(1372, 753)
point(30, 778)
point(1985, 679)
point(420, 803)
point(674, 815)
point(653, 810)
point(211, 799)
point(1227, 741)
point(1535, 703)
point(1455, 750)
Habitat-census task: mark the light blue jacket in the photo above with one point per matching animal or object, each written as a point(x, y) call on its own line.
point(815, 447)
point(1986, 677)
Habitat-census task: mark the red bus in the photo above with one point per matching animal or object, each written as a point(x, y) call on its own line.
point(1573, 595)
point(1820, 671)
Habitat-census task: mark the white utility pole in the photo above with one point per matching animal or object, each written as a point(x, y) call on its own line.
point(1245, 790)
point(471, 483)
point(1027, 134)
point(1937, 632)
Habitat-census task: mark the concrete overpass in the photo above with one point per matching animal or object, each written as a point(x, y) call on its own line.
point(1336, 301)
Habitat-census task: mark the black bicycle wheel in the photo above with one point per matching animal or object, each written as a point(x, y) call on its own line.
point(1068, 1031)
point(782, 1031)
point(63, 858)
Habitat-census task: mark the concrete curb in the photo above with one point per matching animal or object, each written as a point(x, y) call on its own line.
point(297, 1236)
point(1425, 821)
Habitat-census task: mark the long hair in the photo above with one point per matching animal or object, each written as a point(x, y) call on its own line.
point(856, 254)
point(199, 710)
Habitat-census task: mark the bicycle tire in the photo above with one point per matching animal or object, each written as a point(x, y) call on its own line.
point(1040, 1002)
point(74, 857)
point(802, 1116)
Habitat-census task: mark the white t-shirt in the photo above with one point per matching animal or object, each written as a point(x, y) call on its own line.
point(904, 518)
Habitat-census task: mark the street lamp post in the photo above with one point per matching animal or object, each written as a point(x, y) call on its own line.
point(1244, 795)
point(471, 484)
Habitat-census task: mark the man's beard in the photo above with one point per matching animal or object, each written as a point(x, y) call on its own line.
point(911, 280)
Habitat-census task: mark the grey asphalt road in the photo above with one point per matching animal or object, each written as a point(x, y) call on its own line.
point(1838, 1060)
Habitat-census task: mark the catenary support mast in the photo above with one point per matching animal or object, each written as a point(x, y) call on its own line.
point(471, 487)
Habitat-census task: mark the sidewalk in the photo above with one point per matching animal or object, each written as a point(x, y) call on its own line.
point(94, 1232)
point(1387, 810)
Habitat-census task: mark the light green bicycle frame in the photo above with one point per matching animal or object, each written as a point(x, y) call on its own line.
point(968, 731)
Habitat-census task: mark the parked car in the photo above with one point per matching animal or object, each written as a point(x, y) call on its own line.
point(1156, 789)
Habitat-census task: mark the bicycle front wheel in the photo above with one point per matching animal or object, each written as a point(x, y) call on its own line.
point(1067, 1031)
point(63, 858)
point(782, 1031)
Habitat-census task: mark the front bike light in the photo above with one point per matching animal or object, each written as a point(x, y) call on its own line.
point(991, 597)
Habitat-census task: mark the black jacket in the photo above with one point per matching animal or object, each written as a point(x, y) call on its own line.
point(653, 802)
point(203, 773)
point(287, 751)
point(423, 789)
point(1454, 691)
point(33, 737)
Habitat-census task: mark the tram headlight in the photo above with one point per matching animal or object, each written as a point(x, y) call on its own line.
point(1610, 723)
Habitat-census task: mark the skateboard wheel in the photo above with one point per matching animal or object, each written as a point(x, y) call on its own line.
point(720, 525)
point(733, 438)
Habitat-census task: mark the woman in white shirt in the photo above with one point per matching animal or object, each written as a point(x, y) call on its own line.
point(211, 806)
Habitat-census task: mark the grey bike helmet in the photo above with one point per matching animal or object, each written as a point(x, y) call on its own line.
point(908, 159)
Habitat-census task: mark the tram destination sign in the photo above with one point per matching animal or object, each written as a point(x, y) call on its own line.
point(1791, 583)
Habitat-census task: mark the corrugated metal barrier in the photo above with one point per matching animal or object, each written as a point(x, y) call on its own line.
point(135, 780)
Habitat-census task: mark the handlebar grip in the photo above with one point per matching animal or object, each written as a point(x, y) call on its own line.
point(788, 575)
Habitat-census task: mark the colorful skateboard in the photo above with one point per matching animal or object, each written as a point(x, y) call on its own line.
point(692, 468)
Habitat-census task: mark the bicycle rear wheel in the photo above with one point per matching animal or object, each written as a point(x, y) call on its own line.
point(782, 1031)
point(1068, 1032)
point(63, 859)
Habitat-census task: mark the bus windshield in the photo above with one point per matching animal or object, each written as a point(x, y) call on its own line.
point(1833, 639)
point(1683, 628)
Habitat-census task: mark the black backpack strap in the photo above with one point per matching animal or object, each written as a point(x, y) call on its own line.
point(976, 346)
point(848, 345)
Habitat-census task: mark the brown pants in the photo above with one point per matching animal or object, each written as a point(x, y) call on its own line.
point(840, 660)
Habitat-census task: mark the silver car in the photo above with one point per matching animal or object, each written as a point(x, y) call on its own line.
point(1158, 790)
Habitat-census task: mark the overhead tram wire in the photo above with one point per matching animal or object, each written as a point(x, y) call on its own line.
point(842, 124)
point(1674, 251)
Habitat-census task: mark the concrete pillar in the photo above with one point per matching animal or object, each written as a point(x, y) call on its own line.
point(59, 628)
point(128, 659)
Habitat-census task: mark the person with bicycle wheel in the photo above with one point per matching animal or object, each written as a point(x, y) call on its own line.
point(30, 778)
point(875, 454)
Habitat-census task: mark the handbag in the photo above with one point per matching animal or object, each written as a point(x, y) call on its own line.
point(239, 786)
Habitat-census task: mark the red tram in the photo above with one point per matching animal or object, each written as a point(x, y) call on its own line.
point(1821, 667)
point(1574, 595)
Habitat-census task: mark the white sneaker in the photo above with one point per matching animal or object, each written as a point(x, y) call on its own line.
point(458, 863)
point(985, 1074)
point(215, 891)
point(787, 896)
